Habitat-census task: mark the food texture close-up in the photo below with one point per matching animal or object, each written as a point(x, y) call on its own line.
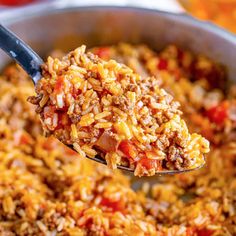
point(117, 118)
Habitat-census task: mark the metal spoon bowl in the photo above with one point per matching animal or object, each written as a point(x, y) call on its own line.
point(31, 62)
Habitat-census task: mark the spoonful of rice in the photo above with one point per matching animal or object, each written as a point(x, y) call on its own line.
point(108, 113)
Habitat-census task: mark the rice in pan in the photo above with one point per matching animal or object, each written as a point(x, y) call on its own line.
point(46, 189)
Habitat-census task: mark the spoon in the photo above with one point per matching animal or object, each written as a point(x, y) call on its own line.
point(31, 62)
point(19, 51)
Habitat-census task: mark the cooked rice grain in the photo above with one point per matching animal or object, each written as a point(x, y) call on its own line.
point(51, 184)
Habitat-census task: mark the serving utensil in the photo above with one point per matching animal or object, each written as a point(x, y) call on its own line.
point(20, 52)
point(31, 62)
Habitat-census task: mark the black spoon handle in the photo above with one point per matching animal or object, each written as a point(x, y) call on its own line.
point(21, 53)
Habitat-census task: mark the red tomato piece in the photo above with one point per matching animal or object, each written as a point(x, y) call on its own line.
point(190, 231)
point(128, 149)
point(15, 2)
point(113, 205)
point(49, 144)
point(59, 85)
point(25, 139)
point(88, 223)
point(43, 206)
point(70, 152)
point(180, 54)
point(63, 119)
point(162, 64)
point(218, 114)
point(150, 163)
point(103, 52)
point(177, 74)
point(204, 232)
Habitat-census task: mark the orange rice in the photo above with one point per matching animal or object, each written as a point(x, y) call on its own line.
point(46, 189)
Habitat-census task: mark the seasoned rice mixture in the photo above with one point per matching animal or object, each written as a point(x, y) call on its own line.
point(46, 189)
point(104, 108)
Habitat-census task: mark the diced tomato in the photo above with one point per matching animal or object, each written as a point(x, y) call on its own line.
point(204, 232)
point(49, 144)
point(25, 139)
point(208, 133)
point(180, 54)
point(43, 206)
point(150, 163)
point(191, 231)
point(218, 114)
point(59, 85)
point(15, 2)
point(104, 92)
point(88, 223)
point(197, 119)
point(63, 119)
point(103, 52)
point(205, 125)
point(113, 205)
point(162, 64)
point(70, 152)
point(177, 74)
point(128, 149)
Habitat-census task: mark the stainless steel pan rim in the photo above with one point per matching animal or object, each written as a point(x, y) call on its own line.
point(9, 17)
